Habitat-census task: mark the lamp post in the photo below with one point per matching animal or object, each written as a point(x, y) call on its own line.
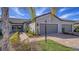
point(46, 31)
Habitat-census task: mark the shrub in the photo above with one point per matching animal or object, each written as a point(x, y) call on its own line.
point(76, 29)
point(14, 39)
point(0, 32)
point(29, 32)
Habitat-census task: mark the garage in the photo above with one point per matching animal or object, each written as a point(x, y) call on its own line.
point(54, 24)
point(67, 27)
point(51, 28)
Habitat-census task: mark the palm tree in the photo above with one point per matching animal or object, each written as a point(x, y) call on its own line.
point(5, 29)
point(33, 15)
point(53, 10)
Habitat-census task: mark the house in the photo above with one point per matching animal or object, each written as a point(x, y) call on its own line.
point(76, 23)
point(53, 24)
point(17, 24)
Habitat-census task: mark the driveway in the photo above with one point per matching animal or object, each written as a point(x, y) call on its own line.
point(67, 40)
point(64, 39)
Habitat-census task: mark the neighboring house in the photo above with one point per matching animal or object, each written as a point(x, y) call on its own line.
point(54, 24)
point(17, 24)
point(76, 23)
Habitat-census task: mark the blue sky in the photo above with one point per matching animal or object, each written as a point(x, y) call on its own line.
point(69, 13)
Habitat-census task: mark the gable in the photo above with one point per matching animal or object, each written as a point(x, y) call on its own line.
point(51, 19)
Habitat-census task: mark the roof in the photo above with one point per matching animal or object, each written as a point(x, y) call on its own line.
point(56, 17)
point(64, 19)
point(77, 22)
point(17, 20)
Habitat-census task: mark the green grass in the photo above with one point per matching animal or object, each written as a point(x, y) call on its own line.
point(52, 46)
point(49, 46)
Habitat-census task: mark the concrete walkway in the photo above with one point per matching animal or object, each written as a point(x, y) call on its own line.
point(67, 40)
point(32, 41)
point(23, 37)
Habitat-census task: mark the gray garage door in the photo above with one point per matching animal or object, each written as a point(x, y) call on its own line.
point(51, 28)
point(67, 27)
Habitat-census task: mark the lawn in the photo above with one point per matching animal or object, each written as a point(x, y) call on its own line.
point(52, 46)
point(43, 46)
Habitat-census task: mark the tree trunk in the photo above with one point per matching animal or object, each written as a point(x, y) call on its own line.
point(33, 15)
point(5, 29)
point(53, 10)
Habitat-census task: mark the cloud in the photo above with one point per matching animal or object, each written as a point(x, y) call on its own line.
point(39, 12)
point(68, 15)
point(76, 19)
point(62, 9)
point(0, 13)
point(17, 11)
point(12, 16)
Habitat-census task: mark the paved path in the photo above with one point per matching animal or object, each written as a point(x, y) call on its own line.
point(32, 42)
point(67, 40)
point(23, 37)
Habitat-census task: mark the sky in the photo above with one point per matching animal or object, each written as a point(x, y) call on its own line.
point(67, 13)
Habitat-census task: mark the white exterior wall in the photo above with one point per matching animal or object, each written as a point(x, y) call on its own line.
point(51, 20)
point(32, 27)
point(59, 28)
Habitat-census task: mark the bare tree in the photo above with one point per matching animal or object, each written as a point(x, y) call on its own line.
point(5, 29)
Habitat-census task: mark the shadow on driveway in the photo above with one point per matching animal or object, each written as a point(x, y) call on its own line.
point(62, 36)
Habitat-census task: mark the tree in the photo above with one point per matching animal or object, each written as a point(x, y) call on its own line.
point(5, 29)
point(53, 10)
point(33, 15)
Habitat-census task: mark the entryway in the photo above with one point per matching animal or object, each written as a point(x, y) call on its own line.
point(16, 28)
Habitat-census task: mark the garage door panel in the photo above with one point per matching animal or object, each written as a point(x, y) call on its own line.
point(67, 27)
point(42, 28)
point(51, 28)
